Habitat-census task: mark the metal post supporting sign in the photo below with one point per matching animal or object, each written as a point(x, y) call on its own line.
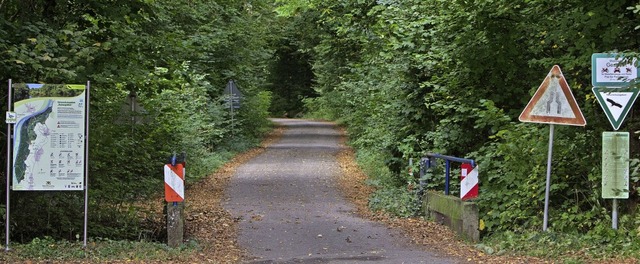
point(8, 172)
point(553, 103)
point(86, 166)
point(545, 218)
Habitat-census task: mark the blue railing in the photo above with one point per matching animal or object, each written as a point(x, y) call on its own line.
point(426, 163)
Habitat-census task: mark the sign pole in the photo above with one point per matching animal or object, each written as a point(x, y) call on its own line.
point(614, 215)
point(8, 172)
point(86, 165)
point(553, 103)
point(546, 192)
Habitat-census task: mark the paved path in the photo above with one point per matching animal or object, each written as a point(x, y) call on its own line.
point(292, 211)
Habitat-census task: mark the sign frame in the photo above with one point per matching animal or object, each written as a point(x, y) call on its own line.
point(85, 132)
point(232, 94)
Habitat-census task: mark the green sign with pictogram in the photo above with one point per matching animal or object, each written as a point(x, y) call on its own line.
point(616, 103)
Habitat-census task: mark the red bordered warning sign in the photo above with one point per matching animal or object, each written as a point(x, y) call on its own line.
point(553, 103)
point(174, 182)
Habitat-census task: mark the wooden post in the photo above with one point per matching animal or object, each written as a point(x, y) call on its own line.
point(175, 223)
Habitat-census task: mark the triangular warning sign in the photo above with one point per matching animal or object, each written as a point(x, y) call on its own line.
point(553, 103)
point(616, 103)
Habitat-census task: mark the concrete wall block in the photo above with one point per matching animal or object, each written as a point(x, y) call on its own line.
point(471, 221)
point(462, 217)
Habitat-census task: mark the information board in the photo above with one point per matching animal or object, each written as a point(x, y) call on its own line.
point(615, 165)
point(49, 137)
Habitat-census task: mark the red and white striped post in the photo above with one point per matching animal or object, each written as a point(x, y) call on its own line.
point(174, 182)
point(469, 181)
point(174, 195)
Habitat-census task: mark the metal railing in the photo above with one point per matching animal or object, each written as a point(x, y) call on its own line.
point(429, 161)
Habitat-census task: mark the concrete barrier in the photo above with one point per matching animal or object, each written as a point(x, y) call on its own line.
point(462, 217)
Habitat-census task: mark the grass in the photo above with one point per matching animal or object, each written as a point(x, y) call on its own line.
point(567, 247)
point(98, 250)
point(599, 245)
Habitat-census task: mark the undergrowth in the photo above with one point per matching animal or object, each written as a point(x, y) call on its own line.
point(570, 247)
point(601, 242)
point(98, 250)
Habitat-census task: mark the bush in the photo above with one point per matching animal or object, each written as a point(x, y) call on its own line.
point(400, 201)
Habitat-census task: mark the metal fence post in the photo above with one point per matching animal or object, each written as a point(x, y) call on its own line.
point(447, 176)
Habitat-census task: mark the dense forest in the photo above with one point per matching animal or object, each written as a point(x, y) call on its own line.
point(404, 77)
point(175, 58)
point(452, 77)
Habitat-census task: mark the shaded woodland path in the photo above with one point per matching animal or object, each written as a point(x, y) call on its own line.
point(292, 212)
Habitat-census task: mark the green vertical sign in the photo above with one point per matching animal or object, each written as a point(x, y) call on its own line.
point(615, 165)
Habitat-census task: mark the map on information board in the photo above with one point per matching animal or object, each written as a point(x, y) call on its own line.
point(49, 137)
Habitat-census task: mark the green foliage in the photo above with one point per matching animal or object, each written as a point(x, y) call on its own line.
point(451, 77)
point(47, 249)
point(405, 77)
point(290, 80)
point(373, 164)
point(254, 115)
point(508, 179)
point(176, 57)
point(602, 243)
point(393, 195)
point(48, 213)
point(397, 201)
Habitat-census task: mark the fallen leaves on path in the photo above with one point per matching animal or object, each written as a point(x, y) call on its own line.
point(429, 235)
point(207, 222)
point(217, 231)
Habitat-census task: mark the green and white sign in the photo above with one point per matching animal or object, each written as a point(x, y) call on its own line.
point(616, 103)
point(11, 117)
point(615, 165)
point(608, 70)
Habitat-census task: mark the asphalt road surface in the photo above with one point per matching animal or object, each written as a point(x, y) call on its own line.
point(292, 211)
